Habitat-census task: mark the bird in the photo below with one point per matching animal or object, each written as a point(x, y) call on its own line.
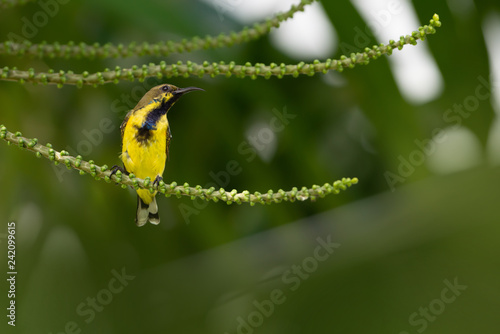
point(146, 137)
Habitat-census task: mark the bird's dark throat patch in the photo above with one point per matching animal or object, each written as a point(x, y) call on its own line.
point(143, 134)
point(145, 131)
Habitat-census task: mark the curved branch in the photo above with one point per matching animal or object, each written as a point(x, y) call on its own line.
point(193, 69)
point(233, 196)
point(109, 50)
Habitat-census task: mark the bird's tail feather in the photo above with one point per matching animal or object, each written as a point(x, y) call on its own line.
point(147, 212)
point(154, 217)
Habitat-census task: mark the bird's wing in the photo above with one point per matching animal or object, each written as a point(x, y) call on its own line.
point(169, 137)
point(124, 123)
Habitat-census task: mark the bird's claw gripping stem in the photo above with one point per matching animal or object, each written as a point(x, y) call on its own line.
point(157, 180)
point(117, 168)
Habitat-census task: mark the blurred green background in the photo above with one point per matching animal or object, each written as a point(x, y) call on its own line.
point(235, 269)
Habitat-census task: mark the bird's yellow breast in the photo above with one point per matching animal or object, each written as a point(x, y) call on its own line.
point(144, 153)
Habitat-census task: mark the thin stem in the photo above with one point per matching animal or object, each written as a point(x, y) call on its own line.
point(164, 48)
point(215, 69)
point(233, 196)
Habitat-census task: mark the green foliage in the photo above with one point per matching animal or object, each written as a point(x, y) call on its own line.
point(12, 3)
point(206, 266)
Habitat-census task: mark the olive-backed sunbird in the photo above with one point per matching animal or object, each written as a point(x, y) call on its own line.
point(146, 139)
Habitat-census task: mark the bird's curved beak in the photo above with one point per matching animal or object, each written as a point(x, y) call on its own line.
point(182, 91)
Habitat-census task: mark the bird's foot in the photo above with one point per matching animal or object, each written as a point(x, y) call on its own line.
point(117, 168)
point(157, 180)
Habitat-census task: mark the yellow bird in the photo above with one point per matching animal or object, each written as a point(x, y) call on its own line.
point(145, 143)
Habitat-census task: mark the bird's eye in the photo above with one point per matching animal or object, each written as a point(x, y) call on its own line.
point(165, 88)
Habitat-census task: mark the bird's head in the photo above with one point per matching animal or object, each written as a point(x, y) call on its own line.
point(165, 94)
